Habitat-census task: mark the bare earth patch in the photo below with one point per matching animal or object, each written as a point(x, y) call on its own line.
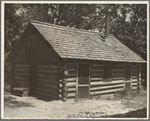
point(104, 106)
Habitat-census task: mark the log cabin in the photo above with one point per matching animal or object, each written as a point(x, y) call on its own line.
point(56, 62)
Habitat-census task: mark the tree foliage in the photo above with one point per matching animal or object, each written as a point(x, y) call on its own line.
point(130, 27)
point(128, 21)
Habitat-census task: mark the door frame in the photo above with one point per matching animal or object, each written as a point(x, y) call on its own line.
point(77, 78)
point(130, 76)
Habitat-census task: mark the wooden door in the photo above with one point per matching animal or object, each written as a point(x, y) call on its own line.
point(83, 81)
point(128, 83)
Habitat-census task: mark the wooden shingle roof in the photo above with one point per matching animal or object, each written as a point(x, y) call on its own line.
point(80, 44)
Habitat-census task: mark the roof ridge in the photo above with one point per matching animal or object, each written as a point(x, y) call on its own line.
point(67, 28)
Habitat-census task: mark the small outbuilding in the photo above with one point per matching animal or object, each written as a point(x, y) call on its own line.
point(56, 62)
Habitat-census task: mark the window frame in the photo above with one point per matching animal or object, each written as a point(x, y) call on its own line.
point(107, 73)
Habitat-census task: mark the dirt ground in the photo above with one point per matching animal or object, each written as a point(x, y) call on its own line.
point(118, 105)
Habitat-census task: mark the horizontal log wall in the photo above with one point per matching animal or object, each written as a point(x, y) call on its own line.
point(70, 79)
point(47, 84)
point(21, 75)
point(100, 86)
point(51, 85)
point(134, 71)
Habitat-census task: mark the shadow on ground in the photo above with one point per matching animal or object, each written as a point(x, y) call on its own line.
point(44, 98)
point(132, 114)
point(11, 102)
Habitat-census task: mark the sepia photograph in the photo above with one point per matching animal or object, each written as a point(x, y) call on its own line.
point(75, 60)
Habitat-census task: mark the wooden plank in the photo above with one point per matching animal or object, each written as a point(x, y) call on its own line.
point(71, 90)
point(106, 83)
point(135, 73)
point(134, 80)
point(70, 64)
point(134, 87)
point(71, 95)
point(46, 76)
point(97, 65)
point(21, 65)
point(23, 78)
point(22, 70)
point(134, 84)
point(72, 72)
point(48, 66)
point(23, 86)
point(134, 67)
point(69, 79)
point(71, 84)
point(70, 75)
point(97, 70)
point(97, 75)
point(118, 73)
point(40, 84)
point(116, 65)
point(21, 89)
point(48, 81)
point(47, 90)
point(106, 92)
point(118, 78)
point(83, 85)
point(118, 70)
point(71, 69)
point(21, 81)
point(107, 87)
point(21, 74)
point(134, 77)
point(96, 79)
point(134, 70)
point(51, 71)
